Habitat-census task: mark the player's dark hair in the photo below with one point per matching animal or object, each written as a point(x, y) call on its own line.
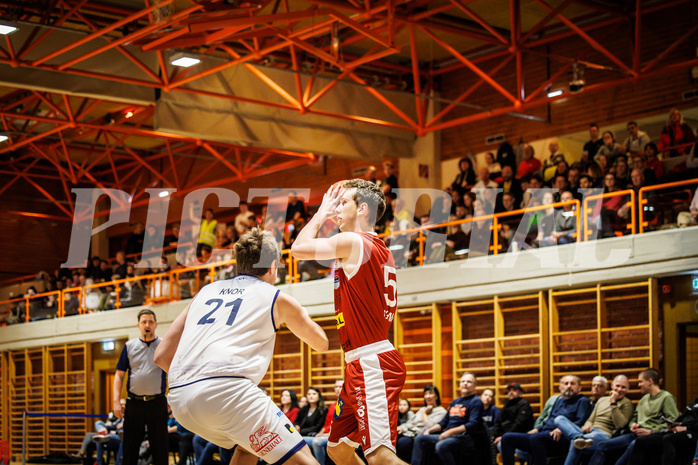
point(255, 252)
point(147, 311)
point(435, 390)
point(370, 194)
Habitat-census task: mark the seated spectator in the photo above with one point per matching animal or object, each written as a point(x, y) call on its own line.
point(592, 146)
point(535, 182)
point(676, 132)
point(460, 429)
point(530, 164)
point(561, 170)
point(242, 219)
point(565, 221)
point(612, 211)
point(636, 140)
point(311, 418)
point(404, 412)
point(609, 414)
point(490, 412)
point(516, 415)
point(599, 386)
point(204, 450)
point(493, 167)
point(596, 173)
point(507, 204)
point(389, 181)
point(560, 185)
point(652, 161)
point(509, 185)
point(318, 443)
point(573, 175)
point(609, 148)
point(296, 208)
point(456, 239)
point(93, 268)
point(71, 304)
point(289, 404)
point(676, 445)
point(622, 172)
point(120, 267)
point(132, 293)
point(465, 179)
point(105, 272)
point(655, 406)
point(180, 440)
point(172, 239)
point(639, 162)
point(638, 182)
point(485, 181)
point(551, 163)
point(546, 222)
point(548, 440)
point(429, 415)
point(103, 431)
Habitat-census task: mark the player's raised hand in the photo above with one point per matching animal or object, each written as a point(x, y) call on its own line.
point(330, 201)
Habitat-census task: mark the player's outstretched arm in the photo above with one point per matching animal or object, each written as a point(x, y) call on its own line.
point(168, 346)
point(288, 310)
point(309, 247)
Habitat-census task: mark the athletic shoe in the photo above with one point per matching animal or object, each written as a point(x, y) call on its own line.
point(581, 443)
point(100, 438)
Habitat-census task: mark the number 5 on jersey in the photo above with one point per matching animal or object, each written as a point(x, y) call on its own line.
point(390, 281)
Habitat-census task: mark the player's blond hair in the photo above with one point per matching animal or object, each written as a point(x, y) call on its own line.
point(369, 193)
point(255, 251)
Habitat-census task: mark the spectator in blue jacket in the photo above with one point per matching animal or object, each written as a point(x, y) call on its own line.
point(457, 429)
point(548, 439)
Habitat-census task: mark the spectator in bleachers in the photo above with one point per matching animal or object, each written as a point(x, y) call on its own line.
point(561, 170)
point(430, 414)
point(105, 272)
point(596, 174)
point(551, 163)
point(71, 304)
point(592, 145)
point(655, 406)
point(204, 450)
point(459, 430)
point(565, 221)
point(134, 244)
point(652, 161)
point(675, 446)
point(494, 168)
point(180, 440)
point(465, 179)
point(207, 231)
point(289, 404)
point(92, 270)
point(573, 180)
point(311, 418)
point(370, 174)
point(102, 429)
point(636, 140)
point(610, 148)
point(674, 133)
point(484, 182)
point(507, 204)
point(548, 440)
point(560, 184)
point(638, 182)
point(511, 185)
point(516, 415)
point(639, 162)
point(506, 156)
point(120, 267)
point(612, 213)
point(296, 208)
point(389, 181)
point(171, 240)
point(242, 219)
point(530, 164)
point(546, 222)
point(622, 172)
point(490, 412)
point(404, 411)
point(610, 413)
point(599, 386)
point(456, 239)
point(318, 444)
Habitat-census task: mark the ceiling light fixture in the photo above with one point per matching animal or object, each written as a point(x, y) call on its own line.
point(555, 93)
point(128, 114)
point(8, 27)
point(3, 137)
point(184, 60)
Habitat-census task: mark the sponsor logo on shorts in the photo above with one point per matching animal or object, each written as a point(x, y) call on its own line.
point(290, 428)
point(279, 414)
point(263, 441)
point(360, 409)
point(340, 319)
point(338, 407)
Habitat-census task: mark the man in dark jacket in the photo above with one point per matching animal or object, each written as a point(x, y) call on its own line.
point(516, 415)
point(548, 439)
point(676, 445)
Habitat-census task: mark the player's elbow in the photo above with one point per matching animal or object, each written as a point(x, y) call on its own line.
point(300, 252)
point(160, 360)
point(321, 344)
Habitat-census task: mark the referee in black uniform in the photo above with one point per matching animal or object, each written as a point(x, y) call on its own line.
point(146, 404)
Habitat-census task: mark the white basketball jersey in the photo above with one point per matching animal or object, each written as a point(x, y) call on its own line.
point(229, 331)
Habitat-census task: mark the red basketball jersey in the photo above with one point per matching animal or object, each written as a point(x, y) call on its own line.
point(365, 302)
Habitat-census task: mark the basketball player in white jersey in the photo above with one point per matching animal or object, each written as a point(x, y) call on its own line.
point(217, 351)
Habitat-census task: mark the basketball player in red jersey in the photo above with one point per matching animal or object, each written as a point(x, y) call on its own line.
point(365, 299)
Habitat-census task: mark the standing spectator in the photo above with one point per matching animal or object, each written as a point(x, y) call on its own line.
point(592, 145)
point(458, 430)
point(655, 406)
point(530, 164)
point(390, 180)
point(493, 167)
point(207, 233)
point(171, 240)
point(465, 179)
point(105, 272)
point(134, 244)
point(506, 156)
point(676, 132)
point(296, 208)
point(516, 415)
point(319, 442)
point(653, 162)
point(429, 415)
point(146, 404)
point(609, 148)
point(636, 140)
point(490, 412)
point(289, 404)
point(242, 219)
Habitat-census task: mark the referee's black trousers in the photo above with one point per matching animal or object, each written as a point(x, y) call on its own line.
point(138, 415)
